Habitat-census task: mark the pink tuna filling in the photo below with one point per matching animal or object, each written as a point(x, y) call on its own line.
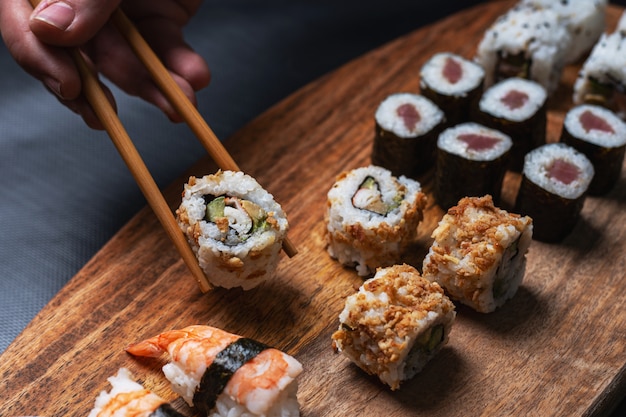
point(563, 171)
point(476, 142)
point(590, 121)
point(409, 114)
point(514, 99)
point(452, 71)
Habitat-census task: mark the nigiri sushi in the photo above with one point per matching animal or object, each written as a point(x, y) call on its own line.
point(129, 398)
point(222, 374)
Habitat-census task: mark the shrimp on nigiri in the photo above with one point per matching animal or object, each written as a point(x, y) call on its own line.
point(128, 398)
point(217, 371)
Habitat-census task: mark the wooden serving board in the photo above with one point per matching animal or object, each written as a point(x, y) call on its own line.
point(556, 349)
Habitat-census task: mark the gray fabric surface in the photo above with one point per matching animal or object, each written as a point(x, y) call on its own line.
point(64, 191)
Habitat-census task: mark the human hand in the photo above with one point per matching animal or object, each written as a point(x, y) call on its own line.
point(36, 39)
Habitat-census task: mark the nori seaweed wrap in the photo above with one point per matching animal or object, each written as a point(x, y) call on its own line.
point(453, 83)
point(407, 126)
point(601, 135)
point(471, 161)
point(553, 189)
point(516, 107)
point(224, 374)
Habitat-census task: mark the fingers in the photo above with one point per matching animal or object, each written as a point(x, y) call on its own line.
point(70, 22)
point(51, 65)
point(167, 41)
point(36, 39)
point(82, 107)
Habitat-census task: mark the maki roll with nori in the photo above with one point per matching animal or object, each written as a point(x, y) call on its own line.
point(554, 184)
point(518, 108)
point(602, 78)
point(128, 398)
point(601, 135)
point(234, 226)
point(223, 374)
point(453, 83)
point(526, 42)
point(395, 324)
point(407, 126)
point(471, 161)
point(479, 253)
point(371, 217)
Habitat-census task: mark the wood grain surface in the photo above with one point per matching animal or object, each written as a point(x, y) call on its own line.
point(556, 349)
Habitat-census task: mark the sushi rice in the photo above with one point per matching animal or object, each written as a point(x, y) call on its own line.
point(230, 248)
point(530, 42)
point(225, 375)
point(128, 398)
point(395, 324)
point(478, 254)
point(370, 227)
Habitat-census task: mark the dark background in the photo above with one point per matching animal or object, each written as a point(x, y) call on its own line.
point(64, 190)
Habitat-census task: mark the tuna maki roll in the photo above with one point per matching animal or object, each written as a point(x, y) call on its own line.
point(526, 42)
point(518, 108)
point(222, 374)
point(371, 217)
point(406, 132)
point(554, 184)
point(128, 398)
point(453, 83)
point(471, 161)
point(234, 226)
point(479, 253)
point(601, 135)
point(395, 324)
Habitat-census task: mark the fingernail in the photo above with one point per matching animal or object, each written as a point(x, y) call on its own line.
point(58, 14)
point(54, 86)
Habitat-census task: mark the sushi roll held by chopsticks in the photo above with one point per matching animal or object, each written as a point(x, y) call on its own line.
point(222, 374)
point(234, 227)
point(371, 217)
point(395, 324)
point(479, 253)
point(128, 398)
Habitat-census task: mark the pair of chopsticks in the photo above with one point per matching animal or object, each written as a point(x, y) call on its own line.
point(113, 126)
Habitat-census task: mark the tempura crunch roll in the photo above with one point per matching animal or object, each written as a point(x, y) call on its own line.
point(394, 324)
point(479, 253)
point(234, 226)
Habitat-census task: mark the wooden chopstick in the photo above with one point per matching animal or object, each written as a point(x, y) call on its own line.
point(179, 101)
point(113, 126)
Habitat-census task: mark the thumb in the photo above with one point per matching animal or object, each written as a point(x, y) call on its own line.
point(70, 22)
